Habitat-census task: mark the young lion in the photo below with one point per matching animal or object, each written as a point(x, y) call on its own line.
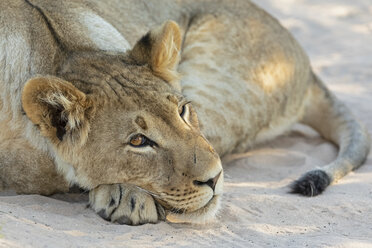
point(142, 124)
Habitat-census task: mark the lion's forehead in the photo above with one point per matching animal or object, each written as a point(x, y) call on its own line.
point(114, 79)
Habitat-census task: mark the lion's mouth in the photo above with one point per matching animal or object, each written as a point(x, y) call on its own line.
point(193, 214)
point(183, 211)
point(199, 216)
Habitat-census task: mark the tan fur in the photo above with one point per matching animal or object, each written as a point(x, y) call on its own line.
point(42, 96)
point(68, 65)
point(164, 56)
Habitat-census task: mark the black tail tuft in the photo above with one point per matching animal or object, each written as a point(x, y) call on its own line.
point(311, 184)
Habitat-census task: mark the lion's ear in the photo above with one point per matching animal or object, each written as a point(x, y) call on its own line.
point(160, 49)
point(58, 108)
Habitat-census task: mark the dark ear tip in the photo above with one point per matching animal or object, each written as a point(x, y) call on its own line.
point(146, 40)
point(311, 184)
point(141, 52)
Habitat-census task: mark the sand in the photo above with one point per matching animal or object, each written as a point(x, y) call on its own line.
point(257, 211)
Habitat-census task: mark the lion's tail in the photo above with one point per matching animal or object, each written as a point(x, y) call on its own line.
point(334, 121)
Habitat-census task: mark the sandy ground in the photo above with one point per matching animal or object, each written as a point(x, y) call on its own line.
point(257, 210)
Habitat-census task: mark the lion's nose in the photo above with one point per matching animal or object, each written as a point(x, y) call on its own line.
point(211, 182)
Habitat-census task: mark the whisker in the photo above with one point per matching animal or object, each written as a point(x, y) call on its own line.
point(149, 192)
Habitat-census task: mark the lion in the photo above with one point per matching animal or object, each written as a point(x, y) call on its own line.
point(136, 101)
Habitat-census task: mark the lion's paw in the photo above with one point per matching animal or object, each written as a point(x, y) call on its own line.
point(125, 204)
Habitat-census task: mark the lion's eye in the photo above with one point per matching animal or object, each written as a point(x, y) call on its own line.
point(138, 140)
point(183, 110)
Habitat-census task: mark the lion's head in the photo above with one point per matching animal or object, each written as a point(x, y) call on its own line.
point(112, 118)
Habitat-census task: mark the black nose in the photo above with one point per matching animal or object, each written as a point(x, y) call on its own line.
point(211, 182)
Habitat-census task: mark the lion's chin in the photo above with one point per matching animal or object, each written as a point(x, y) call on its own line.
point(200, 216)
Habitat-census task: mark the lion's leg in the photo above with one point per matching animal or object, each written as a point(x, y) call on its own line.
point(125, 204)
point(27, 170)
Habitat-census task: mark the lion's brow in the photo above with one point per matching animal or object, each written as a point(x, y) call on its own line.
point(141, 122)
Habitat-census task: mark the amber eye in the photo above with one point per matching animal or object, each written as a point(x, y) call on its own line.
point(138, 140)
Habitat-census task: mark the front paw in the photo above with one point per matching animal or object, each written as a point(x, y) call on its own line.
point(125, 204)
